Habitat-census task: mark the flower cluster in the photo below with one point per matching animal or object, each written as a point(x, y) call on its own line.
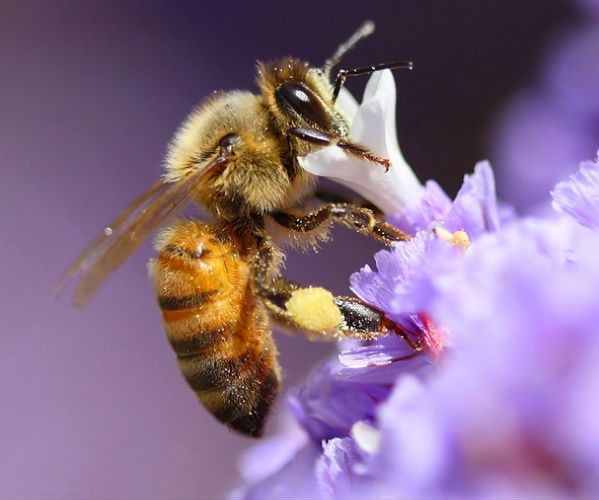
point(502, 402)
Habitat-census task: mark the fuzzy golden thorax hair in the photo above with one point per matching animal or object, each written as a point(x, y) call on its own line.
point(255, 179)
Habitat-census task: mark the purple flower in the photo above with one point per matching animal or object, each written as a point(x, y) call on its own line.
point(328, 404)
point(342, 399)
point(512, 412)
point(402, 280)
point(502, 403)
point(475, 209)
point(579, 196)
point(432, 205)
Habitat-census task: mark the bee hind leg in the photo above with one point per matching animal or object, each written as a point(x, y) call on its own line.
point(305, 309)
point(315, 310)
point(362, 319)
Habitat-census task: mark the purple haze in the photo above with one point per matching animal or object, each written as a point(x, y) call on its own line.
point(93, 404)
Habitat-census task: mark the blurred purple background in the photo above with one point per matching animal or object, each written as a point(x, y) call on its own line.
point(90, 92)
point(550, 125)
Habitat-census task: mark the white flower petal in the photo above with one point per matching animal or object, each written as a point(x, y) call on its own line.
point(373, 126)
point(347, 104)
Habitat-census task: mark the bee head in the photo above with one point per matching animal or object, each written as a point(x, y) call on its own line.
point(298, 95)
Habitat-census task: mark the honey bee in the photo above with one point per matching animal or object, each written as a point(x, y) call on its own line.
point(218, 283)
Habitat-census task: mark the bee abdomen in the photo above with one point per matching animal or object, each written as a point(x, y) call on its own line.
point(171, 303)
point(237, 391)
point(216, 324)
point(198, 343)
point(251, 421)
point(205, 372)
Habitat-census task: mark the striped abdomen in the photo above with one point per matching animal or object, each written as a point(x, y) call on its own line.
point(215, 323)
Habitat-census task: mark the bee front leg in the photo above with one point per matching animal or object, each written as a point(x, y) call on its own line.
point(356, 218)
point(320, 138)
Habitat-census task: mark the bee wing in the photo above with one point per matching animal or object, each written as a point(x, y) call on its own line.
point(113, 246)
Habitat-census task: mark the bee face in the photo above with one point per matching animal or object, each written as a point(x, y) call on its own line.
point(298, 95)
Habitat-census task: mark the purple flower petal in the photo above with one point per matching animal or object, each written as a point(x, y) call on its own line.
point(475, 207)
point(335, 470)
point(381, 362)
point(272, 454)
point(433, 205)
point(290, 481)
point(579, 196)
point(394, 269)
point(327, 406)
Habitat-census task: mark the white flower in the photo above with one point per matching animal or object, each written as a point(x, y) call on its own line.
point(373, 125)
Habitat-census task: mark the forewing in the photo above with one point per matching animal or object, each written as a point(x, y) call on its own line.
point(111, 248)
point(96, 245)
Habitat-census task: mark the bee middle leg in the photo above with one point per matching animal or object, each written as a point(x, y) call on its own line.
point(326, 194)
point(360, 219)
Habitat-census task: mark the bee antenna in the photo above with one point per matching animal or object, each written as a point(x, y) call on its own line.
point(365, 29)
point(366, 70)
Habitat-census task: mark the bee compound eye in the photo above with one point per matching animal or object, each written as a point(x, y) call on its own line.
point(228, 143)
point(304, 102)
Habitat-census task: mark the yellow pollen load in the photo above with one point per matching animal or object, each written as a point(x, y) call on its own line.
point(313, 309)
point(458, 239)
